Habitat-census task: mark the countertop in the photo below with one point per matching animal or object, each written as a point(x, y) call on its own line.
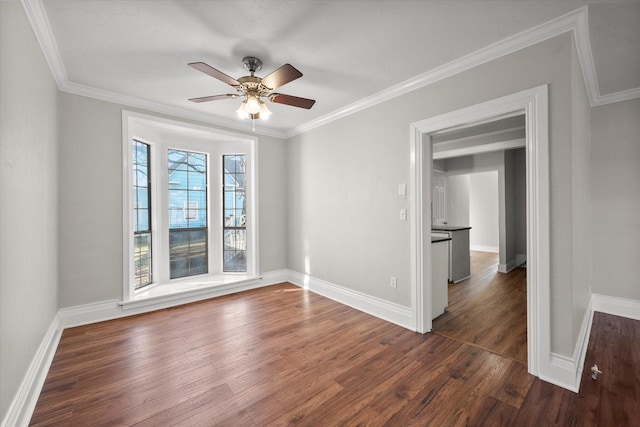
point(449, 227)
point(439, 239)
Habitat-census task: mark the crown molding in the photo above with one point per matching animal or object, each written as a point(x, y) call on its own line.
point(576, 22)
point(555, 27)
point(40, 24)
point(160, 108)
point(610, 98)
point(585, 56)
point(38, 18)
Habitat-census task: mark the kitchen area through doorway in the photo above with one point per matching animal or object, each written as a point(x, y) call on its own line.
point(478, 234)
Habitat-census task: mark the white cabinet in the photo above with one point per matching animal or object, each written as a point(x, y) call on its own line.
point(439, 274)
point(459, 262)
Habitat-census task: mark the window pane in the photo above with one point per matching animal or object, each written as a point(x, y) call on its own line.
point(187, 213)
point(140, 176)
point(198, 162)
point(198, 197)
point(197, 181)
point(142, 222)
point(235, 213)
point(141, 198)
point(142, 259)
point(178, 179)
point(142, 272)
point(188, 252)
point(177, 160)
point(235, 246)
point(230, 164)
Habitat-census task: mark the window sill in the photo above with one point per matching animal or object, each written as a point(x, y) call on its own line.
point(184, 291)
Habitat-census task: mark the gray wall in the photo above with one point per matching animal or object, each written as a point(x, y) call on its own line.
point(518, 161)
point(343, 179)
point(28, 199)
point(484, 210)
point(580, 195)
point(515, 180)
point(615, 199)
point(328, 198)
point(512, 204)
point(458, 199)
point(91, 201)
point(486, 162)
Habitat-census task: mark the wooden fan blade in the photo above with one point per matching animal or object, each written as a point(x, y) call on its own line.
point(283, 75)
point(214, 97)
point(294, 101)
point(207, 69)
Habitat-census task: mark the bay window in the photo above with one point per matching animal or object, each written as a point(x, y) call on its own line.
point(189, 205)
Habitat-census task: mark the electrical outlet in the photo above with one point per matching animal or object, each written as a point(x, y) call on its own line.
point(394, 282)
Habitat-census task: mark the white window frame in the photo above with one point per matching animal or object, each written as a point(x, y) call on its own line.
point(162, 134)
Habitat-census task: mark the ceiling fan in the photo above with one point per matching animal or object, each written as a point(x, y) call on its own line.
point(253, 88)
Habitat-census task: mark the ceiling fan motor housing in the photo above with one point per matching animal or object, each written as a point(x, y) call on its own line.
point(252, 63)
point(252, 86)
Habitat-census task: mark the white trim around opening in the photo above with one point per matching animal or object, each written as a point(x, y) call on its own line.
point(175, 134)
point(534, 104)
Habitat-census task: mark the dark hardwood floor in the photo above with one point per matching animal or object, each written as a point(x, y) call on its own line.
point(281, 355)
point(489, 309)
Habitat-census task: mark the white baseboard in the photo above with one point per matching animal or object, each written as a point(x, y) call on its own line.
point(90, 313)
point(521, 259)
point(510, 265)
point(391, 312)
point(24, 402)
point(561, 371)
point(480, 248)
point(566, 371)
point(114, 309)
point(580, 352)
point(617, 306)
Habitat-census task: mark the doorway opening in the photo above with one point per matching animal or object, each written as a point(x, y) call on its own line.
point(533, 105)
point(483, 186)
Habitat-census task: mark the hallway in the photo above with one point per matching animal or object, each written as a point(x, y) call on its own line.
point(488, 310)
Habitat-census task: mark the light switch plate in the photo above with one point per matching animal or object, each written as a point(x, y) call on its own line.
point(402, 189)
point(403, 214)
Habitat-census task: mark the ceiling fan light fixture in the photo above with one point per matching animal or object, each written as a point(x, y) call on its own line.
point(252, 104)
point(254, 88)
point(264, 111)
point(242, 110)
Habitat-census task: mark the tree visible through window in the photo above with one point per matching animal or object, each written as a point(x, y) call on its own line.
point(235, 213)
point(187, 213)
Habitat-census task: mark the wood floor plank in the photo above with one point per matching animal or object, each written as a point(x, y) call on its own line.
point(488, 309)
point(284, 356)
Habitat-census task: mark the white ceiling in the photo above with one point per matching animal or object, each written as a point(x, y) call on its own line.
point(352, 53)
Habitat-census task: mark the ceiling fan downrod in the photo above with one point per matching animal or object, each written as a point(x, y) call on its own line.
point(252, 64)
